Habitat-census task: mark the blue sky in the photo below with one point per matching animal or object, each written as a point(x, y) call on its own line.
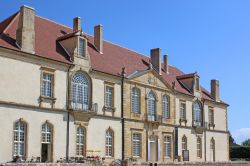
point(211, 37)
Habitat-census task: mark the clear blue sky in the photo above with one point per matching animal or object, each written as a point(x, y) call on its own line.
point(211, 37)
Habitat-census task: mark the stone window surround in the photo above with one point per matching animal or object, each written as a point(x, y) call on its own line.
point(164, 147)
point(111, 85)
point(139, 111)
point(113, 142)
point(80, 125)
point(133, 131)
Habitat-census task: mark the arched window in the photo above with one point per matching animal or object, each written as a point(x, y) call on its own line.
point(184, 143)
point(135, 99)
point(46, 133)
point(109, 138)
point(80, 141)
point(80, 91)
point(151, 106)
point(197, 113)
point(20, 129)
point(165, 107)
point(199, 147)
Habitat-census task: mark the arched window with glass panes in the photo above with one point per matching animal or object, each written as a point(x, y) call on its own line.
point(135, 100)
point(20, 129)
point(109, 143)
point(197, 113)
point(47, 133)
point(165, 107)
point(80, 91)
point(184, 143)
point(151, 106)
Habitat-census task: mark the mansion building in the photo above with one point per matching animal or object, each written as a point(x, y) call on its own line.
point(64, 94)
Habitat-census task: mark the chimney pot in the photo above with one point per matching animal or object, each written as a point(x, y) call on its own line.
point(77, 24)
point(98, 40)
point(215, 90)
point(25, 34)
point(165, 63)
point(155, 56)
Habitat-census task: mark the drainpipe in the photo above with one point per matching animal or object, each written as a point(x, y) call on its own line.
point(122, 109)
point(68, 108)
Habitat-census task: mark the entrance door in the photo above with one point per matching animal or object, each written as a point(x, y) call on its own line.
point(46, 153)
point(152, 150)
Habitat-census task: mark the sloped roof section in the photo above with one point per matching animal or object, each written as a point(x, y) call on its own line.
point(112, 60)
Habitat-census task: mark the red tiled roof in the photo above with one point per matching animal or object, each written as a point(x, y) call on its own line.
point(111, 61)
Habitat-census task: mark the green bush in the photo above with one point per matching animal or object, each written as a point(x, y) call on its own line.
point(240, 152)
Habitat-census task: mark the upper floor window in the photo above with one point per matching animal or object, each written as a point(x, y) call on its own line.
point(80, 91)
point(20, 129)
point(199, 148)
point(47, 83)
point(151, 106)
point(109, 96)
point(109, 143)
point(211, 116)
point(197, 113)
point(165, 107)
point(135, 100)
point(82, 50)
point(46, 133)
point(136, 140)
point(167, 146)
point(184, 143)
point(182, 110)
point(197, 85)
point(80, 141)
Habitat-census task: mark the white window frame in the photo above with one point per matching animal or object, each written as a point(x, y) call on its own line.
point(80, 91)
point(167, 146)
point(80, 141)
point(47, 84)
point(109, 96)
point(135, 100)
point(20, 129)
point(47, 133)
point(182, 110)
point(165, 107)
point(109, 138)
point(136, 144)
point(151, 106)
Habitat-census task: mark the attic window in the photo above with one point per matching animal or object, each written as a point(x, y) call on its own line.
point(82, 50)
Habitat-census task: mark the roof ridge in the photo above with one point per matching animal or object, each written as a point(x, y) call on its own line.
point(53, 22)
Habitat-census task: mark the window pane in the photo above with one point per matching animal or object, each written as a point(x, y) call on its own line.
point(165, 106)
point(82, 47)
point(136, 144)
point(109, 96)
point(47, 85)
point(135, 100)
point(151, 106)
point(80, 138)
point(19, 138)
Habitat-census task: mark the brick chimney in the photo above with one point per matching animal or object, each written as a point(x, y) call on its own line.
point(25, 34)
point(215, 90)
point(165, 63)
point(155, 55)
point(98, 40)
point(77, 24)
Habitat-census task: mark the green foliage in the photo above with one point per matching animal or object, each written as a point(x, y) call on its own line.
point(240, 152)
point(246, 142)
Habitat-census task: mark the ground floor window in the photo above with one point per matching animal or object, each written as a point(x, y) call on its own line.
point(109, 143)
point(20, 129)
point(136, 138)
point(167, 146)
point(199, 148)
point(80, 141)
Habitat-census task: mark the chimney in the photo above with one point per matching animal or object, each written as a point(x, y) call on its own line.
point(98, 38)
point(77, 24)
point(25, 34)
point(155, 55)
point(165, 63)
point(215, 90)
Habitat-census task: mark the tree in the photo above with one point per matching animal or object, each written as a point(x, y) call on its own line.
point(231, 140)
point(246, 142)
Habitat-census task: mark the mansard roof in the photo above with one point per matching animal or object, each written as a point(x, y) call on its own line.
point(111, 61)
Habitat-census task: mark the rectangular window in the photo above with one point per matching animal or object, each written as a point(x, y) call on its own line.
point(82, 47)
point(136, 139)
point(80, 141)
point(211, 116)
point(197, 85)
point(167, 146)
point(183, 110)
point(109, 96)
point(47, 81)
point(199, 149)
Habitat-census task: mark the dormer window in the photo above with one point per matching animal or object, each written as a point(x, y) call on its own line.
point(82, 47)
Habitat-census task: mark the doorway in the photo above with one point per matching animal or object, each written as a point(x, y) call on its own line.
point(152, 150)
point(46, 153)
